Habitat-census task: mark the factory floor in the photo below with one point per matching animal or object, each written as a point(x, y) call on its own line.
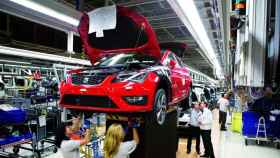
point(228, 145)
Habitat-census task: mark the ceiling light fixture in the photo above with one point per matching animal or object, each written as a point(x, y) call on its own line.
point(47, 11)
point(188, 13)
point(12, 61)
point(42, 56)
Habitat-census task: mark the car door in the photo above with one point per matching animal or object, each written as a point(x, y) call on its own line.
point(176, 78)
point(185, 76)
point(183, 81)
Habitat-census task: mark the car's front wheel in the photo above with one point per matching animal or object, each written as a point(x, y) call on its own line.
point(160, 106)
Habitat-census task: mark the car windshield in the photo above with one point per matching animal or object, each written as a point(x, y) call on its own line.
point(125, 59)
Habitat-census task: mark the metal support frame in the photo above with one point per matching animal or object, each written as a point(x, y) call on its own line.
point(135, 3)
point(240, 58)
point(169, 34)
point(276, 44)
point(42, 56)
point(70, 42)
point(180, 13)
point(257, 13)
point(224, 7)
point(14, 9)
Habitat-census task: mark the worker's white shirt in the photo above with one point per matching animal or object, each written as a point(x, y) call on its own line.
point(206, 119)
point(195, 114)
point(125, 149)
point(70, 148)
point(223, 104)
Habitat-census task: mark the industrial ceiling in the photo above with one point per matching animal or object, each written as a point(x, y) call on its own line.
point(166, 23)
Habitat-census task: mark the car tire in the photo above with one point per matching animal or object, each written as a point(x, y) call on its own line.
point(160, 106)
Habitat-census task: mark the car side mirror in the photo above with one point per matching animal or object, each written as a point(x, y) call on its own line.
point(172, 64)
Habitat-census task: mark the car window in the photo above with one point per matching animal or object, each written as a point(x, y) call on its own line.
point(180, 62)
point(169, 58)
point(123, 59)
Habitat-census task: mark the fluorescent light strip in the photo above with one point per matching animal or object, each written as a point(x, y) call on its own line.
point(191, 12)
point(16, 62)
point(47, 11)
point(42, 56)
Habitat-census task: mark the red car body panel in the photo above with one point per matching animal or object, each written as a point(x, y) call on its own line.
point(109, 95)
point(116, 92)
point(151, 47)
point(181, 79)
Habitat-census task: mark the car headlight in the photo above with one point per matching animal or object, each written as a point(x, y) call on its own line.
point(131, 77)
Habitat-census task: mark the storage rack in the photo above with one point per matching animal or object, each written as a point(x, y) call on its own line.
point(20, 140)
point(34, 111)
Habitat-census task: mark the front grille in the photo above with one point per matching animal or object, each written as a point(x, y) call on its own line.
point(88, 100)
point(86, 79)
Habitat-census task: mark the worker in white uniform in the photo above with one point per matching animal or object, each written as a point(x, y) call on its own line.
point(205, 121)
point(68, 141)
point(223, 103)
point(194, 128)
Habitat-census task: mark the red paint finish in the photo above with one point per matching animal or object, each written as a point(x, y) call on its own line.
point(181, 79)
point(151, 47)
point(180, 86)
point(116, 92)
point(177, 75)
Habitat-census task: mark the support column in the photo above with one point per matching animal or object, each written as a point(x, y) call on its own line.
point(257, 14)
point(276, 53)
point(70, 42)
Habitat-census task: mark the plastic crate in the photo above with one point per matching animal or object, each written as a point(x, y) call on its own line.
point(12, 117)
point(14, 139)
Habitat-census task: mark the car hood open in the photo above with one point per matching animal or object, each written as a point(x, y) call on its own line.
point(132, 33)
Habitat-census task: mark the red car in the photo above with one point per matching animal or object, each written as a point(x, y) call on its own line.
point(129, 73)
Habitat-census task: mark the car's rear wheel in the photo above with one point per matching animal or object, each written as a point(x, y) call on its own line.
point(160, 106)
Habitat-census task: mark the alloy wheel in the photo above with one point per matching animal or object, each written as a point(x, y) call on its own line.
point(161, 108)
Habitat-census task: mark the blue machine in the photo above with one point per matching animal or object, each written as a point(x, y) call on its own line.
point(250, 124)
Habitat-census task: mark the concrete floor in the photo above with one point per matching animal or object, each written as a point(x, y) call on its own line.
point(229, 145)
point(215, 140)
point(226, 145)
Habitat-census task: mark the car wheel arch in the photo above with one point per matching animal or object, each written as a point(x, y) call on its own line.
point(165, 83)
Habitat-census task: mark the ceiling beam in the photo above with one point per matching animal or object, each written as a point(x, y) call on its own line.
point(41, 56)
point(162, 17)
point(36, 16)
point(136, 3)
point(167, 26)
